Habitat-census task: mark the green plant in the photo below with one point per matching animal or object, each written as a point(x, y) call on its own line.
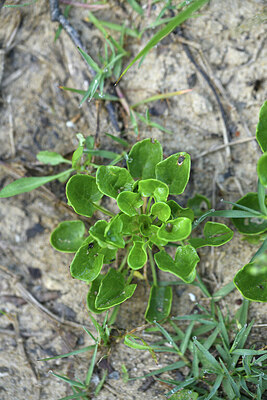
point(84, 389)
point(141, 231)
point(218, 366)
point(249, 215)
point(81, 162)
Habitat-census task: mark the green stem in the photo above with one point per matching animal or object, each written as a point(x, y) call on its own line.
point(130, 277)
point(202, 286)
point(103, 210)
point(153, 267)
point(124, 260)
point(148, 205)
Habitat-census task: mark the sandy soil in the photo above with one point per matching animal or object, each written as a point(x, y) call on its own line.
point(228, 41)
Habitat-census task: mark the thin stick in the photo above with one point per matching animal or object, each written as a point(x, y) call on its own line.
point(32, 300)
point(223, 146)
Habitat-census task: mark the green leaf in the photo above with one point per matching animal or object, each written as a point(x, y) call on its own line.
point(184, 394)
point(215, 234)
point(130, 224)
point(68, 236)
point(154, 188)
point(91, 296)
point(161, 210)
point(145, 225)
point(143, 158)
point(178, 211)
point(183, 266)
point(136, 6)
point(113, 232)
point(117, 139)
point(176, 21)
point(174, 171)
point(251, 280)
point(113, 290)
point(253, 225)
point(211, 361)
point(261, 131)
point(137, 256)
point(51, 157)
point(82, 192)
point(159, 303)
point(154, 238)
point(262, 169)
point(87, 262)
point(129, 202)
point(199, 204)
point(176, 229)
point(76, 157)
point(24, 185)
point(97, 231)
point(112, 180)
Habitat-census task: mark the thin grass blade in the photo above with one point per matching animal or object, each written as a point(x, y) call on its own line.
point(91, 367)
point(176, 21)
point(69, 381)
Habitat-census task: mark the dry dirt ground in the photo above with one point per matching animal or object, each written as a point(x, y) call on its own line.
point(228, 40)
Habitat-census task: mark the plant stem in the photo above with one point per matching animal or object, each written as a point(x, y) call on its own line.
point(148, 205)
point(130, 277)
point(153, 267)
point(103, 210)
point(124, 260)
point(202, 286)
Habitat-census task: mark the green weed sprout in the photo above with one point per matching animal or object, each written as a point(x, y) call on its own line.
point(212, 347)
point(139, 234)
point(84, 389)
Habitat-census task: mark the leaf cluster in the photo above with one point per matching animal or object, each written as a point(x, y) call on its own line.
point(147, 222)
point(218, 366)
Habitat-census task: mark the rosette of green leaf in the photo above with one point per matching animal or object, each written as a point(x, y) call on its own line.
point(129, 202)
point(112, 180)
point(161, 210)
point(253, 225)
point(87, 262)
point(175, 230)
point(143, 158)
point(262, 169)
point(97, 231)
point(184, 264)
point(113, 232)
point(178, 211)
point(261, 131)
point(113, 290)
point(91, 296)
point(68, 236)
point(215, 234)
point(130, 225)
point(153, 237)
point(174, 171)
point(159, 303)
point(199, 204)
point(82, 192)
point(154, 188)
point(137, 256)
point(251, 280)
point(145, 225)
